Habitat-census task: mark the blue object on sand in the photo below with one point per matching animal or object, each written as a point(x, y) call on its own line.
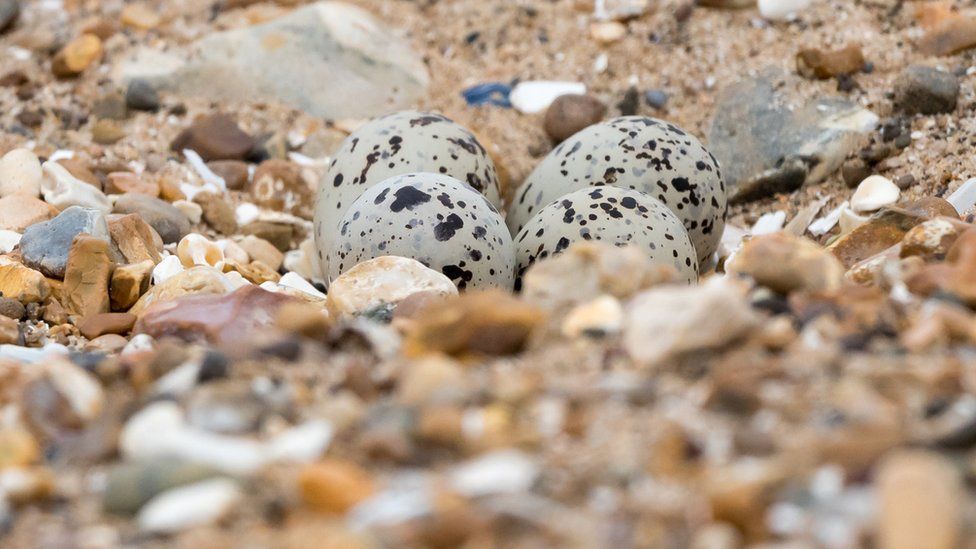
point(491, 93)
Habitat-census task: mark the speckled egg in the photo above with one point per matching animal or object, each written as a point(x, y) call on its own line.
point(435, 219)
point(399, 143)
point(610, 214)
point(645, 154)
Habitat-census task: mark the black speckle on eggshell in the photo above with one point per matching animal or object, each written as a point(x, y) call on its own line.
point(635, 152)
point(609, 214)
point(437, 220)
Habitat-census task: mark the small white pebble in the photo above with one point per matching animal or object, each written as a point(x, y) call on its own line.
point(166, 268)
point(191, 210)
point(246, 213)
point(768, 223)
point(295, 281)
point(182, 508)
point(874, 193)
point(8, 241)
point(536, 95)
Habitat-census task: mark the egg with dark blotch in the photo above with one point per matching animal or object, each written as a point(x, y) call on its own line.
point(645, 154)
point(613, 215)
point(399, 143)
point(437, 220)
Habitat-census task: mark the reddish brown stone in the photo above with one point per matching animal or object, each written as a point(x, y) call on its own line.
point(278, 185)
point(87, 275)
point(817, 63)
point(128, 182)
point(215, 137)
point(952, 36)
point(234, 172)
point(106, 323)
point(135, 239)
point(885, 229)
point(237, 317)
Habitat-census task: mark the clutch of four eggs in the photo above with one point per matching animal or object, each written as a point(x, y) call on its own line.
point(418, 185)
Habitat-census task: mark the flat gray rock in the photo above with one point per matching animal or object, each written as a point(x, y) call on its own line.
point(329, 59)
point(45, 245)
point(766, 144)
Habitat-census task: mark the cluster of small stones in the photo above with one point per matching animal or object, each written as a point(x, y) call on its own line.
point(175, 371)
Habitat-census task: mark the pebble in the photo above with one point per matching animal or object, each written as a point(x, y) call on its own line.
point(334, 486)
point(233, 172)
point(79, 170)
point(107, 132)
point(76, 56)
point(11, 308)
point(128, 182)
point(110, 106)
point(600, 317)
point(607, 32)
point(130, 485)
point(535, 96)
point(782, 10)
point(476, 323)
point(657, 99)
point(87, 276)
point(817, 63)
point(217, 212)
point(189, 506)
point(571, 113)
point(589, 269)
point(142, 96)
point(215, 137)
point(61, 189)
point(261, 250)
point(925, 90)
point(279, 185)
point(9, 12)
point(905, 181)
point(18, 448)
point(932, 239)
point(881, 231)
point(45, 246)
point(129, 283)
point(219, 319)
point(383, 281)
point(17, 212)
point(8, 241)
point(954, 35)
point(192, 210)
point(278, 234)
point(785, 263)
point(194, 281)
point(168, 221)
point(80, 389)
point(874, 193)
point(9, 333)
point(23, 283)
point(106, 323)
point(505, 471)
point(662, 323)
point(920, 501)
point(20, 174)
point(140, 16)
point(135, 239)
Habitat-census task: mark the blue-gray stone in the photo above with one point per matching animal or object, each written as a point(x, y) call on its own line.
point(45, 245)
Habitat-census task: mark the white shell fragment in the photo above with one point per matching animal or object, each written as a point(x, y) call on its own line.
point(769, 223)
point(826, 223)
point(61, 190)
point(874, 193)
point(850, 220)
point(964, 197)
point(536, 95)
point(500, 472)
point(188, 506)
point(782, 10)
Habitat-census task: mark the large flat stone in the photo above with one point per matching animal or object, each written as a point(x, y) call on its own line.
point(330, 59)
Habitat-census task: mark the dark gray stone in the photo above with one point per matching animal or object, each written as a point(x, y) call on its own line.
point(45, 245)
point(656, 98)
point(169, 222)
point(924, 90)
point(142, 96)
point(9, 11)
point(761, 138)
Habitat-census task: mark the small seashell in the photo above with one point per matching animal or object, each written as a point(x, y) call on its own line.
point(536, 95)
point(195, 249)
point(61, 190)
point(874, 193)
point(850, 220)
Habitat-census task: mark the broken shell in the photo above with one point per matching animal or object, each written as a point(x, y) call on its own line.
point(195, 249)
point(874, 193)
